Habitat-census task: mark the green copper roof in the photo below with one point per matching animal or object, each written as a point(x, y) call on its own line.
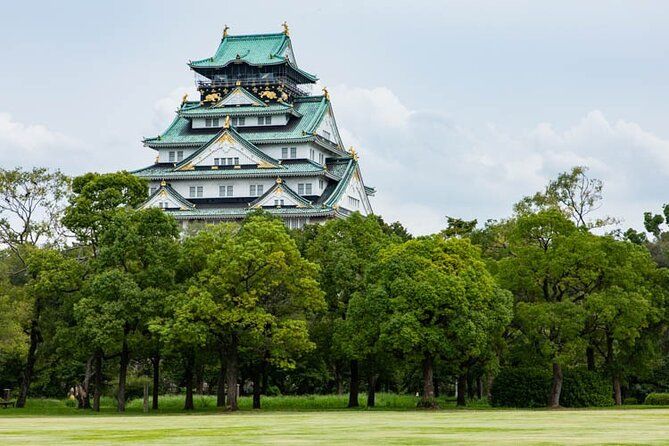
point(205, 111)
point(238, 213)
point(311, 108)
point(289, 169)
point(254, 49)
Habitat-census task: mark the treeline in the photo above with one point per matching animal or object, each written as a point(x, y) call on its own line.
point(98, 297)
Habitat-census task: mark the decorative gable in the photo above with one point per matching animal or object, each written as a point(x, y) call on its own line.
point(289, 55)
point(280, 195)
point(228, 148)
point(167, 198)
point(328, 129)
point(239, 96)
point(354, 196)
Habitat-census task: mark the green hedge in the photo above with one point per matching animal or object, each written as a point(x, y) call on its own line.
point(530, 387)
point(657, 399)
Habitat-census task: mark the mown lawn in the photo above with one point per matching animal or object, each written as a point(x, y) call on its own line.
point(508, 427)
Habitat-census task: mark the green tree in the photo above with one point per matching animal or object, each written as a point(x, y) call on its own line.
point(440, 295)
point(345, 249)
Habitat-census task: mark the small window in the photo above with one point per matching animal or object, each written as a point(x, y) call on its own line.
point(261, 120)
point(307, 189)
point(242, 120)
point(321, 158)
point(217, 161)
point(172, 157)
point(278, 203)
point(260, 189)
point(230, 161)
point(293, 152)
point(215, 122)
point(234, 121)
point(191, 191)
point(236, 161)
point(207, 122)
point(320, 184)
point(284, 152)
point(230, 191)
point(199, 191)
point(312, 154)
point(221, 191)
point(354, 202)
point(252, 190)
point(300, 188)
point(180, 155)
point(268, 120)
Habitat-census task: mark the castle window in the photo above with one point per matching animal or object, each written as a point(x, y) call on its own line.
point(172, 154)
point(268, 120)
point(207, 122)
point(180, 155)
point(255, 190)
point(278, 203)
point(312, 154)
point(284, 152)
point(261, 120)
point(234, 121)
point(300, 188)
point(320, 184)
point(354, 202)
point(215, 122)
point(195, 191)
point(242, 120)
point(293, 152)
point(152, 190)
point(225, 191)
point(307, 189)
point(321, 158)
point(304, 188)
point(236, 161)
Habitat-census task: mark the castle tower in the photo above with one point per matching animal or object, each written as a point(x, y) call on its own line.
point(254, 139)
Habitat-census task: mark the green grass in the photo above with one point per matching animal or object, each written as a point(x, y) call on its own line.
point(504, 427)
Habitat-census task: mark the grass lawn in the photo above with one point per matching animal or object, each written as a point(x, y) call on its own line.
point(509, 427)
point(288, 420)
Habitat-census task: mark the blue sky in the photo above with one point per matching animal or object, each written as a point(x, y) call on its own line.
point(457, 108)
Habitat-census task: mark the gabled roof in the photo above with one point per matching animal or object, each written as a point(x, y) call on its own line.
point(227, 134)
point(165, 190)
point(311, 108)
point(237, 94)
point(203, 111)
point(253, 49)
point(278, 189)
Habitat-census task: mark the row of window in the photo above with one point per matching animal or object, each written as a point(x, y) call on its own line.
point(176, 156)
point(255, 190)
point(353, 202)
point(233, 161)
point(284, 152)
point(304, 188)
point(312, 156)
point(237, 120)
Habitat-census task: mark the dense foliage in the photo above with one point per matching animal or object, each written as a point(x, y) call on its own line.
point(98, 298)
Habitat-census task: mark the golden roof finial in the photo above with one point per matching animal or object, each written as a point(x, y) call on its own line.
point(353, 153)
point(225, 31)
point(157, 158)
point(279, 180)
point(326, 93)
point(184, 98)
point(286, 30)
point(226, 124)
point(163, 183)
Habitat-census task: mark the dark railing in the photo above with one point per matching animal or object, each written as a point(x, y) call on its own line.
point(252, 81)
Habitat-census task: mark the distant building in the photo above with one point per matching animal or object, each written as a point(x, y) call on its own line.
point(255, 139)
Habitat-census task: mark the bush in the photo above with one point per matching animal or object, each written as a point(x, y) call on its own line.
point(657, 399)
point(582, 388)
point(530, 387)
point(520, 387)
point(630, 400)
point(134, 388)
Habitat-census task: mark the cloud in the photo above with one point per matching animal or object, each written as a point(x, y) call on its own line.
point(35, 145)
point(165, 108)
point(425, 165)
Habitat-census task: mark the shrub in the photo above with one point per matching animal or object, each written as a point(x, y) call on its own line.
point(582, 388)
point(657, 399)
point(521, 387)
point(630, 400)
point(530, 387)
point(134, 388)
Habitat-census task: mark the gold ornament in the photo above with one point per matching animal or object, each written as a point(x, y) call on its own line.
point(163, 183)
point(226, 124)
point(225, 31)
point(353, 153)
point(184, 98)
point(326, 93)
point(286, 30)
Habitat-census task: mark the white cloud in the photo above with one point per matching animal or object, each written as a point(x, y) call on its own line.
point(425, 166)
point(165, 108)
point(30, 145)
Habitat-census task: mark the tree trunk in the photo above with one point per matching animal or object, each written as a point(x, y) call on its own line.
point(231, 374)
point(371, 389)
point(435, 384)
point(82, 390)
point(462, 390)
point(256, 389)
point(188, 378)
point(354, 386)
point(97, 393)
point(490, 379)
point(617, 393)
point(471, 389)
point(338, 380)
point(590, 357)
point(556, 388)
point(220, 389)
point(427, 400)
point(155, 391)
point(31, 358)
point(122, 374)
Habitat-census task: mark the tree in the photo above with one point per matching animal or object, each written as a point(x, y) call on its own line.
point(254, 291)
point(440, 294)
point(96, 199)
point(576, 194)
point(345, 249)
point(50, 276)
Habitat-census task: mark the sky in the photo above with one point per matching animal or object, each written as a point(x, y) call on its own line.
point(457, 108)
